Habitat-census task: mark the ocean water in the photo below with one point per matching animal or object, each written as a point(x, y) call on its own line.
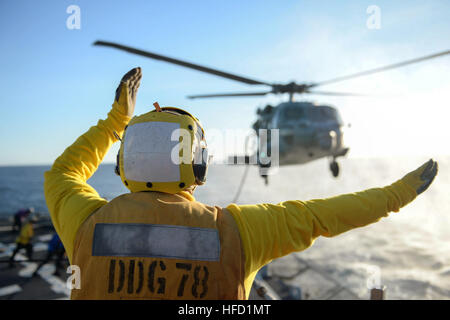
point(411, 248)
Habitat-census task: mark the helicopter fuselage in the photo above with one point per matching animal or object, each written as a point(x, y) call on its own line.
point(306, 131)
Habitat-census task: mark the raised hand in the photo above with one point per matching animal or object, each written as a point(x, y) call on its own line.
point(421, 178)
point(127, 90)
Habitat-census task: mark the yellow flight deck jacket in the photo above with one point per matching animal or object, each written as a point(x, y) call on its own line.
point(267, 231)
point(26, 233)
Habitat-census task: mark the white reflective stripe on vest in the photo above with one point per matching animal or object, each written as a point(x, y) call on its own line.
point(154, 240)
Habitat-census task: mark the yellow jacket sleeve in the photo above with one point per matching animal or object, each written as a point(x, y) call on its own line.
point(270, 231)
point(70, 200)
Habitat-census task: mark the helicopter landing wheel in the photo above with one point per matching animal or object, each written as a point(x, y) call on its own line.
point(334, 167)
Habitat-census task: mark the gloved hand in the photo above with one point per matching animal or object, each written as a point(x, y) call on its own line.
point(127, 90)
point(421, 178)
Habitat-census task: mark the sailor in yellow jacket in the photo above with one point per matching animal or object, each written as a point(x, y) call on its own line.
point(23, 241)
point(158, 242)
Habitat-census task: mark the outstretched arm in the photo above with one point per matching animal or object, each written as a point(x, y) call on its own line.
point(270, 231)
point(70, 199)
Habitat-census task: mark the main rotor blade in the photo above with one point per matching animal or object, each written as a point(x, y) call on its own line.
point(389, 67)
point(243, 94)
point(328, 93)
point(180, 63)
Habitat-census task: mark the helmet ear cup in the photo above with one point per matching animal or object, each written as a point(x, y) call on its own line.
point(117, 169)
point(201, 170)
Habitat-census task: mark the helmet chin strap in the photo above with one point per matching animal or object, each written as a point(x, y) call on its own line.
point(191, 189)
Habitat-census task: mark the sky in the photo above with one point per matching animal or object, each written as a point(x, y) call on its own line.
point(55, 84)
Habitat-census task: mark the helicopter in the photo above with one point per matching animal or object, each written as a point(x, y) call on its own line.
point(307, 131)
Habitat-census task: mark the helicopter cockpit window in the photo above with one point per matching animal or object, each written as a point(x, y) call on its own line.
point(293, 113)
point(321, 114)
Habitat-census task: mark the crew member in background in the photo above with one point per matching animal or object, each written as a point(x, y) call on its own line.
point(23, 241)
point(55, 249)
point(158, 242)
point(20, 216)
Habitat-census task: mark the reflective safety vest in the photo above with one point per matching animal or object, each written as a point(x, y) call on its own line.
point(152, 245)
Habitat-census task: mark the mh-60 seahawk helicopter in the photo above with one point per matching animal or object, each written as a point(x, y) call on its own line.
point(307, 131)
